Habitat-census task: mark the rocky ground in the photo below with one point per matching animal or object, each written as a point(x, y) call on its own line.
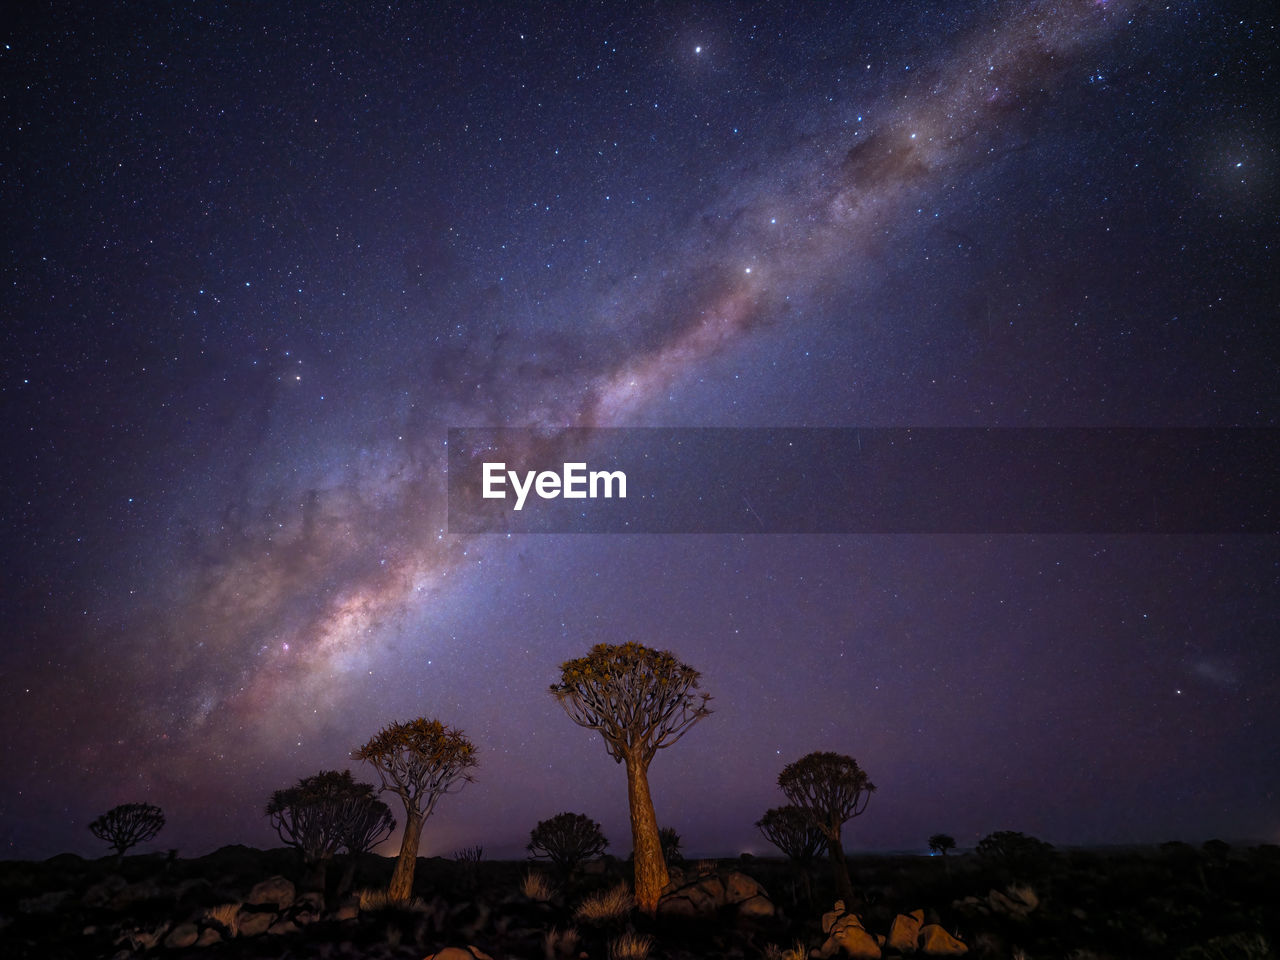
point(1170, 903)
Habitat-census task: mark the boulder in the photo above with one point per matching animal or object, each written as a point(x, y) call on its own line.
point(208, 937)
point(739, 887)
point(182, 936)
point(277, 891)
point(104, 891)
point(460, 953)
point(282, 926)
point(674, 905)
point(701, 898)
point(855, 942)
point(757, 907)
point(829, 919)
point(252, 923)
point(936, 942)
point(904, 934)
point(847, 934)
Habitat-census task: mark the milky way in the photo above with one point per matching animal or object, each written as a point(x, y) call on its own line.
point(292, 584)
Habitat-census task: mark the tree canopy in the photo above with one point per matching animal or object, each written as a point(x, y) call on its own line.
point(640, 699)
point(128, 825)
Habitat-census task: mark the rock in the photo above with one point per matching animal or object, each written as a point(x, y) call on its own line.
point(182, 936)
point(104, 891)
point(275, 890)
point(739, 887)
point(673, 905)
point(936, 942)
point(829, 919)
point(282, 927)
point(854, 941)
point(312, 901)
point(904, 934)
point(45, 903)
point(252, 923)
point(208, 937)
point(349, 909)
point(847, 934)
point(460, 953)
point(700, 898)
point(756, 907)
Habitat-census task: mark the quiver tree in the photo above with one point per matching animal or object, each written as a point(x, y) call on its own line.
point(127, 826)
point(640, 700)
point(419, 761)
point(831, 789)
point(792, 831)
point(325, 813)
point(567, 839)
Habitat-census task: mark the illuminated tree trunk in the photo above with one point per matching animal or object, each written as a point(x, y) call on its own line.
point(651, 868)
point(402, 878)
point(840, 871)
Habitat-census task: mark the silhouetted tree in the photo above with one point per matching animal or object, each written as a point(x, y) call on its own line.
point(1013, 851)
point(792, 831)
point(419, 761)
point(127, 826)
point(640, 700)
point(566, 840)
point(942, 843)
point(369, 823)
point(831, 789)
point(311, 815)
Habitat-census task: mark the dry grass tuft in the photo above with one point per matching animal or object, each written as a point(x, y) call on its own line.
point(630, 946)
point(798, 951)
point(537, 887)
point(374, 899)
point(227, 914)
point(556, 944)
point(608, 905)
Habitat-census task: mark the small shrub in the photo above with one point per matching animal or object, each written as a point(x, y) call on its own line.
point(670, 841)
point(607, 906)
point(630, 946)
point(469, 855)
point(537, 887)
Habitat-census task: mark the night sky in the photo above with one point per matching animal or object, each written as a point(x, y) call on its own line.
point(259, 258)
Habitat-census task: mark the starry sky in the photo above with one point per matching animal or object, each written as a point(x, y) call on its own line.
point(259, 258)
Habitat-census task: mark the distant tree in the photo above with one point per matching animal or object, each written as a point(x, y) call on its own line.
point(640, 700)
point(127, 826)
point(420, 761)
point(831, 789)
point(567, 839)
point(1014, 851)
point(942, 843)
point(793, 831)
point(309, 817)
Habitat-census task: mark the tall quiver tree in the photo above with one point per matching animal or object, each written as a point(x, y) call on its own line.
point(419, 761)
point(640, 700)
point(832, 789)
